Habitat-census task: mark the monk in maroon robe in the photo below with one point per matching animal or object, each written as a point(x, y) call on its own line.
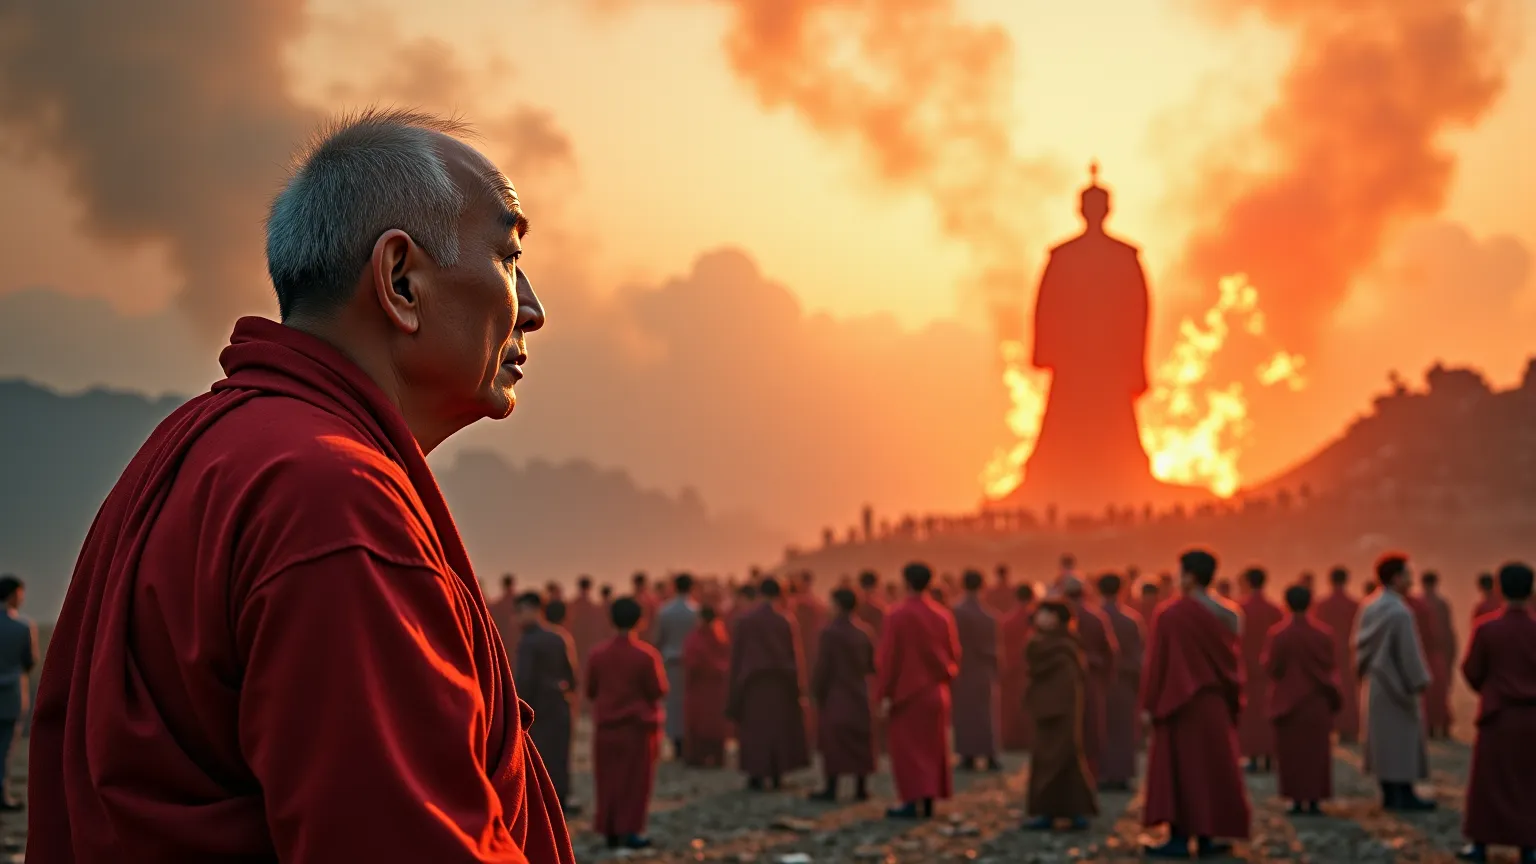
point(871, 609)
point(1117, 764)
point(1255, 733)
point(1303, 697)
point(1102, 654)
point(640, 592)
point(810, 616)
point(707, 665)
point(974, 692)
point(919, 656)
point(746, 601)
point(766, 699)
point(1488, 600)
point(998, 599)
point(1437, 699)
point(840, 683)
point(626, 683)
point(587, 622)
point(1017, 629)
point(274, 646)
point(1337, 612)
point(1500, 667)
point(1192, 693)
point(1146, 605)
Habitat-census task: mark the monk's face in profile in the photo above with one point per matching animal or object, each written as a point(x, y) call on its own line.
point(473, 318)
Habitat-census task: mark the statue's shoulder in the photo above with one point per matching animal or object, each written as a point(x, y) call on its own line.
point(1096, 245)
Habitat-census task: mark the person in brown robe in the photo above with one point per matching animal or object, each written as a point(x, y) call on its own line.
point(974, 691)
point(707, 668)
point(841, 684)
point(546, 679)
point(587, 622)
point(746, 601)
point(1303, 697)
point(999, 598)
point(1117, 765)
point(1100, 650)
point(766, 699)
point(640, 593)
point(1500, 667)
point(1147, 604)
point(1437, 700)
point(1059, 784)
point(1255, 735)
point(1338, 612)
point(1016, 630)
point(1488, 600)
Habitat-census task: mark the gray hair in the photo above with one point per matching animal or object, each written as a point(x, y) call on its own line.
point(362, 175)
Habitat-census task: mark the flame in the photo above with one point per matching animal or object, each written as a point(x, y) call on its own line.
point(1192, 428)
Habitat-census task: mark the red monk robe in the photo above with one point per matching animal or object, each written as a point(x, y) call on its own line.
point(766, 693)
point(1424, 623)
point(840, 683)
point(589, 625)
point(274, 605)
point(1437, 699)
point(810, 617)
point(1500, 667)
point(1337, 612)
point(1303, 697)
point(1102, 653)
point(626, 683)
point(1013, 682)
point(919, 656)
point(1193, 690)
point(871, 613)
point(707, 661)
point(1255, 732)
point(1488, 605)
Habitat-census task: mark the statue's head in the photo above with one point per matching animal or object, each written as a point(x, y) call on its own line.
point(1094, 200)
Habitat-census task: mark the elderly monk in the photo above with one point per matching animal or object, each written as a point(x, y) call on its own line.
point(626, 683)
point(840, 683)
point(1100, 649)
point(1303, 697)
point(1059, 785)
point(1017, 629)
point(1117, 765)
point(1500, 667)
point(975, 688)
point(1391, 665)
point(674, 621)
point(919, 656)
point(1255, 734)
point(1337, 612)
point(1437, 700)
point(274, 604)
point(707, 670)
point(1487, 598)
point(1192, 694)
point(546, 680)
point(766, 702)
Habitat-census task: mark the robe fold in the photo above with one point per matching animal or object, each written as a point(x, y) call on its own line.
point(546, 678)
point(1338, 612)
point(1255, 732)
point(1193, 690)
point(1393, 672)
point(918, 658)
point(707, 665)
point(1017, 629)
point(1117, 764)
point(273, 604)
point(765, 699)
point(1303, 696)
point(1100, 650)
point(974, 692)
point(1437, 699)
point(1500, 667)
point(625, 683)
point(840, 683)
point(1059, 784)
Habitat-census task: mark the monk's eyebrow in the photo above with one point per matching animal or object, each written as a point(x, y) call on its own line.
point(512, 212)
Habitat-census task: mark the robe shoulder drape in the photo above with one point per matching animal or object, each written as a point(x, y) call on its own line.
point(1500, 667)
point(919, 656)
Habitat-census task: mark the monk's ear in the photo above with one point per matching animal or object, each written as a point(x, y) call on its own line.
point(394, 271)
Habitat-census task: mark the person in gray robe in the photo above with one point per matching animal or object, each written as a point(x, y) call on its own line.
point(545, 676)
point(974, 691)
point(669, 634)
point(18, 654)
point(1391, 664)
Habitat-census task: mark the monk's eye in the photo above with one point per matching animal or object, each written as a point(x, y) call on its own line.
point(510, 262)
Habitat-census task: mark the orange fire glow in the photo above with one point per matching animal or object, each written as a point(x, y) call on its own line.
point(1192, 427)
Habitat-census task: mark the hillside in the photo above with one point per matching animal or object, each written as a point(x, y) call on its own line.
point(60, 455)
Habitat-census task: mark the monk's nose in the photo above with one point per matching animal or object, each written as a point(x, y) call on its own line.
point(530, 312)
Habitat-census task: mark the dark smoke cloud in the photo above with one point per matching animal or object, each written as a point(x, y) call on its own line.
point(1356, 141)
point(171, 120)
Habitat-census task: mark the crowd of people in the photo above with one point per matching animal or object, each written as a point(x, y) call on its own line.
point(1080, 673)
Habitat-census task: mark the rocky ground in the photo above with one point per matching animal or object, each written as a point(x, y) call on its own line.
point(700, 816)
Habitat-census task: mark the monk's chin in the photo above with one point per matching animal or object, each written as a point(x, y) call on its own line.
point(499, 404)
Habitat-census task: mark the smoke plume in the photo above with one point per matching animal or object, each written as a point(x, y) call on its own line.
point(171, 120)
point(1355, 146)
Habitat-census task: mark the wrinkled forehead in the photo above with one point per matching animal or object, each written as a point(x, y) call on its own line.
point(485, 187)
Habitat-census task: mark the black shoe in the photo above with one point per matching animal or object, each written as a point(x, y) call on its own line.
point(635, 841)
point(1115, 787)
point(1314, 809)
point(571, 809)
point(1408, 802)
point(1211, 849)
point(994, 765)
point(754, 784)
point(1297, 810)
point(927, 808)
point(1040, 823)
point(615, 841)
point(1475, 852)
point(12, 806)
point(1176, 848)
point(905, 811)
